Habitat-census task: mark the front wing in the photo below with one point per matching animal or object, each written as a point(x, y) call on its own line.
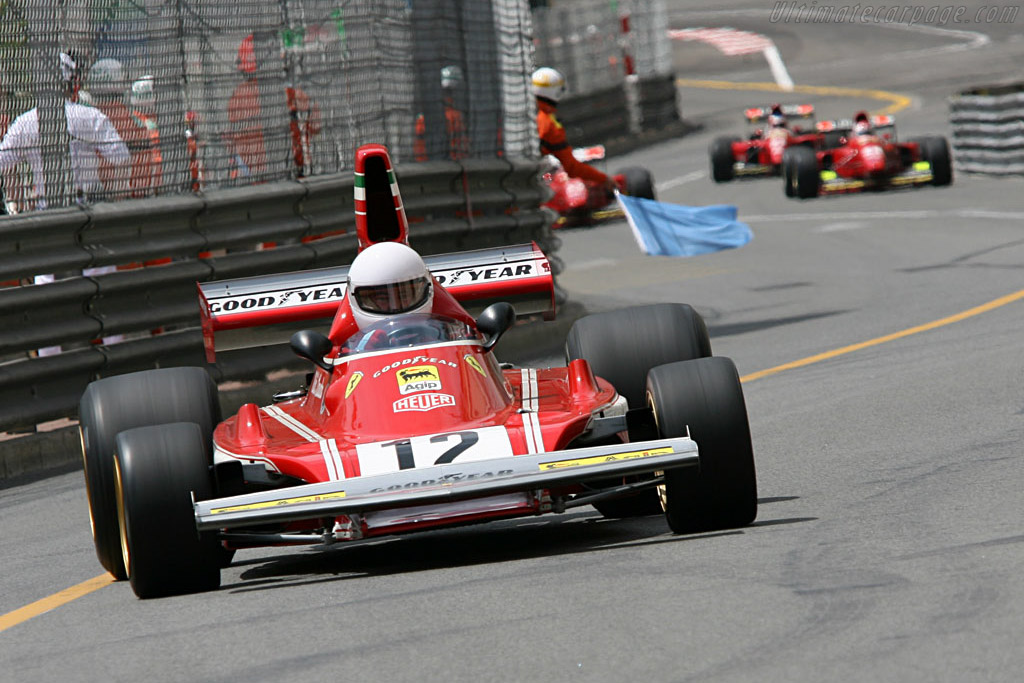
point(445, 483)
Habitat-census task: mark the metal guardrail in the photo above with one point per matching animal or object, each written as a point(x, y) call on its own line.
point(988, 129)
point(275, 227)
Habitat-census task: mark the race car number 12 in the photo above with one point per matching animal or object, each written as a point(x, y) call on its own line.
point(436, 449)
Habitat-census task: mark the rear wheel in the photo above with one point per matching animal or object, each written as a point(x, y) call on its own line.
point(621, 347)
point(639, 182)
point(114, 404)
point(722, 160)
point(157, 471)
point(705, 395)
point(802, 178)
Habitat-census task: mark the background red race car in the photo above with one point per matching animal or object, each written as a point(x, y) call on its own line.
point(851, 162)
point(583, 202)
point(761, 153)
point(409, 422)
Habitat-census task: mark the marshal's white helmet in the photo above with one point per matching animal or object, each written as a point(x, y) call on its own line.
point(388, 279)
point(548, 83)
point(143, 95)
point(106, 77)
point(451, 77)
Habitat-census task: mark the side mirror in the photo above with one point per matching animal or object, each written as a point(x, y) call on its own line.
point(494, 321)
point(312, 346)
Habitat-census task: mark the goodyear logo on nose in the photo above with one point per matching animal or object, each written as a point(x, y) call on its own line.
point(418, 378)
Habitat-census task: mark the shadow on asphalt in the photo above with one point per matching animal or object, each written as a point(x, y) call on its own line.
point(528, 538)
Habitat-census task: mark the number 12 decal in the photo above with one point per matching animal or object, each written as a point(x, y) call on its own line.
point(435, 449)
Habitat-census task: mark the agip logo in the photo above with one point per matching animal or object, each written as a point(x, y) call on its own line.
point(418, 378)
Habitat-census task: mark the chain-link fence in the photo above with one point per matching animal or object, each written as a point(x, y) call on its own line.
point(597, 43)
point(201, 94)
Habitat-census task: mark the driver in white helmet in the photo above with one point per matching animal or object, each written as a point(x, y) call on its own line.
point(387, 279)
point(549, 87)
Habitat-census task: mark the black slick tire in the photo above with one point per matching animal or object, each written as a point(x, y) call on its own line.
point(157, 470)
point(114, 404)
point(803, 178)
point(705, 395)
point(722, 161)
point(935, 150)
point(621, 347)
point(639, 182)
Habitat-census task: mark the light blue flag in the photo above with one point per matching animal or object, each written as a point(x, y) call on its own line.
point(671, 230)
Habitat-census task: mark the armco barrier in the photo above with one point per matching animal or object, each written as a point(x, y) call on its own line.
point(595, 117)
point(988, 129)
point(220, 235)
point(44, 242)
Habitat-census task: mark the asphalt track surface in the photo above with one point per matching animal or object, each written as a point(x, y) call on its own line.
point(889, 541)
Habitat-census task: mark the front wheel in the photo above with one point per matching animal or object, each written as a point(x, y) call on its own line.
point(802, 176)
point(705, 396)
point(114, 404)
point(157, 471)
point(935, 150)
point(723, 161)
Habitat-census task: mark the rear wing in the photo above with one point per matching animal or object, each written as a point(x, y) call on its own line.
point(266, 309)
point(592, 153)
point(761, 114)
point(883, 124)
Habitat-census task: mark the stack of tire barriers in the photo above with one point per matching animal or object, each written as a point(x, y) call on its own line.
point(988, 129)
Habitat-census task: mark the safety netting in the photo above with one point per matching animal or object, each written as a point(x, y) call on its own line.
point(155, 97)
point(597, 43)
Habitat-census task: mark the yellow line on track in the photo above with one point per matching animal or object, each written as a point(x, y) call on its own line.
point(977, 310)
point(897, 101)
point(65, 596)
point(48, 603)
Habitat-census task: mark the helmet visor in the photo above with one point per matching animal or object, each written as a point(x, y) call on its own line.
point(397, 297)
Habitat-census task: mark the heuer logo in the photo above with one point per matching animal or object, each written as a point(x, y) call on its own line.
point(418, 378)
point(423, 402)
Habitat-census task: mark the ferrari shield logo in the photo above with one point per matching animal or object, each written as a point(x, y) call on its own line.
point(418, 378)
point(353, 382)
point(474, 363)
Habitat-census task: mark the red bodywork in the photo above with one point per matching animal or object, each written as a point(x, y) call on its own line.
point(388, 410)
point(578, 201)
point(762, 155)
point(858, 162)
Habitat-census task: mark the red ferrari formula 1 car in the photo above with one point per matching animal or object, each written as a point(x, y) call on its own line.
point(410, 423)
point(864, 154)
point(761, 153)
point(582, 202)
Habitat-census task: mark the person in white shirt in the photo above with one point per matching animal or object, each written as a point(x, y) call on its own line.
point(90, 131)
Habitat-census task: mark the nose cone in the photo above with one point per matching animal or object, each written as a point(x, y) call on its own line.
point(873, 158)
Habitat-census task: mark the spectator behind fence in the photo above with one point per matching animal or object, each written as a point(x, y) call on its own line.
point(455, 125)
point(147, 164)
point(91, 133)
point(108, 84)
point(245, 138)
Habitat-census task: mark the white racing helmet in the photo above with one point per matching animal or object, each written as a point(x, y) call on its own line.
point(548, 83)
point(388, 279)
